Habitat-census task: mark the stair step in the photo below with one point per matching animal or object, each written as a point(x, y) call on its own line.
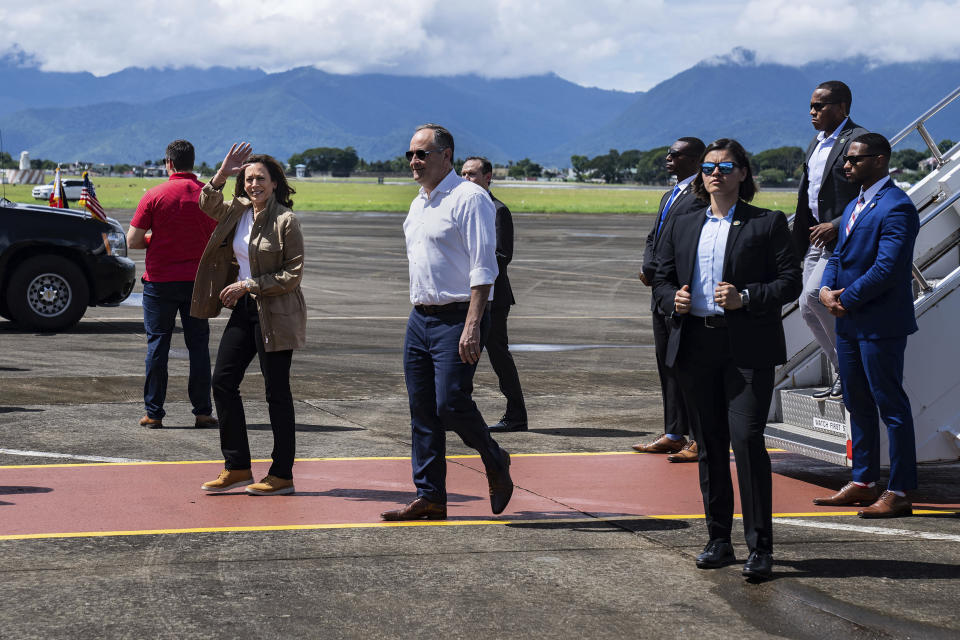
point(813, 444)
point(800, 409)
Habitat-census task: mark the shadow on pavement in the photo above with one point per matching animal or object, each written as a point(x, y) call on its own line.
point(869, 568)
point(20, 490)
point(381, 495)
point(84, 328)
point(602, 523)
point(18, 410)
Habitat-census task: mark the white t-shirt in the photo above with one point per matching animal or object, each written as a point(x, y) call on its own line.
point(241, 243)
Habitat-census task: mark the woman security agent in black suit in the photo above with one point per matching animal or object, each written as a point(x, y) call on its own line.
point(723, 279)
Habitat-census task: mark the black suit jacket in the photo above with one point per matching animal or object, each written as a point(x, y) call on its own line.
point(758, 257)
point(502, 292)
point(835, 190)
point(685, 203)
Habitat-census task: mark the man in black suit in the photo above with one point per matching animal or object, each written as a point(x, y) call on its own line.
point(824, 192)
point(480, 171)
point(682, 161)
point(722, 278)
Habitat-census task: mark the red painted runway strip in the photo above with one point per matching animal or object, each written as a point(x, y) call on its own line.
point(162, 497)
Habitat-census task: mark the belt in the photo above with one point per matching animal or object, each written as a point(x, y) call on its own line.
point(434, 309)
point(713, 322)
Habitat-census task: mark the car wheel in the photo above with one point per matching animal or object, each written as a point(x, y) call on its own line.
point(48, 292)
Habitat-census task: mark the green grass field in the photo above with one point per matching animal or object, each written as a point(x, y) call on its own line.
point(124, 193)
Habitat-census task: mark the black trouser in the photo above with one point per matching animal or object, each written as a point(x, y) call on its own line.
point(730, 406)
point(675, 421)
point(498, 350)
point(241, 341)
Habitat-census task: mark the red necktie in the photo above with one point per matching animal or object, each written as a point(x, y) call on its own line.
point(856, 211)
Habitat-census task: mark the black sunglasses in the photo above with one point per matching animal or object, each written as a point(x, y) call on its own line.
point(855, 160)
point(421, 154)
point(675, 154)
point(818, 106)
point(725, 167)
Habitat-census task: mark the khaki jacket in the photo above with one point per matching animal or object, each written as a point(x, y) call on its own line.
point(276, 267)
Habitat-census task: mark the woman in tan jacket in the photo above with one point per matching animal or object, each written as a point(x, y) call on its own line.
point(253, 265)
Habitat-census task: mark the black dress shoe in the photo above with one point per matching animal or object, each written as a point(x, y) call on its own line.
point(419, 509)
point(834, 391)
point(501, 487)
point(759, 566)
point(717, 553)
point(509, 424)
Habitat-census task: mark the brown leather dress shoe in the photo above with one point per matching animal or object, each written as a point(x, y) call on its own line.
point(206, 422)
point(663, 444)
point(150, 423)
point(889, 505)
point(688, 454)
point(419, 509)
point(851, 494)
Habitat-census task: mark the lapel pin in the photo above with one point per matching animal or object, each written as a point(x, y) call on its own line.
point(736, 223)
point(842, 140)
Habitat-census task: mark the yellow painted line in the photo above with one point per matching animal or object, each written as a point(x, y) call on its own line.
point(344, 459)
point(410, 523)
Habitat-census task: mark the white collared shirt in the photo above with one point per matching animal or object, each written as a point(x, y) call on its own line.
point(451, 242)
point(816, 165)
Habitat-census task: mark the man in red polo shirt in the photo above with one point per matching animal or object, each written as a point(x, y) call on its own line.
point(171, 227)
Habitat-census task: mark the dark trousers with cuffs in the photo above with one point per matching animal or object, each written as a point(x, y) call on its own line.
point(439, 387)
point(241, 341)
point(161, 303)
point(675, 420)
point(730, 406)
point(872, 374)
point(498, 350)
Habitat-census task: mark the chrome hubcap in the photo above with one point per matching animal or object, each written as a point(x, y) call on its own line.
point(48, 295)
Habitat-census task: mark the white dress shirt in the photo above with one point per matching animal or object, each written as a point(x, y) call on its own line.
point(816, 165)
point(451, 242)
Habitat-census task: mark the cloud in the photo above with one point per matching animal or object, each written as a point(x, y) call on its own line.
point(623, 44)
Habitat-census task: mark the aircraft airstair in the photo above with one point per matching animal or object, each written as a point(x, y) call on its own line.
point(821, 429)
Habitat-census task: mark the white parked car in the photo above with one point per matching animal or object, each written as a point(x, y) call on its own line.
point(72, 187)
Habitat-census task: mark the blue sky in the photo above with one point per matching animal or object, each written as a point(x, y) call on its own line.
point(614, 44)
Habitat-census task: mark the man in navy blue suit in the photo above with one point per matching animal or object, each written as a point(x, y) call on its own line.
point(867, 285)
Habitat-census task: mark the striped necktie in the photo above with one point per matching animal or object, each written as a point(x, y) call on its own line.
point(856, 212)
point(663, 214)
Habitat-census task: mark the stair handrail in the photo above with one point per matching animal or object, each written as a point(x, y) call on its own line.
point(920, 128)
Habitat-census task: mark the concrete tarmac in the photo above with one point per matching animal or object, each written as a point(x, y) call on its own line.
point(582, 341)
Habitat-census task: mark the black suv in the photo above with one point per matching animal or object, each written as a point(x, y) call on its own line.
point(54, 263)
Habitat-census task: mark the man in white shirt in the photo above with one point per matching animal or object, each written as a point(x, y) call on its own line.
point(824, 192)
point(451, 249)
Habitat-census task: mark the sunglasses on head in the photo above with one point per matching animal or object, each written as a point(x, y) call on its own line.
point(421, 154)
point(855, 160)
point(818, 106)
point(725, 167)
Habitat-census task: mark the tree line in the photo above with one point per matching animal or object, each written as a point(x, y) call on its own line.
point(771, 167)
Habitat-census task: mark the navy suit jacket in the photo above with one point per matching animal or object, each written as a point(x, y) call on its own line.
point(502, 291)
point(759, 258)
point(873, 265)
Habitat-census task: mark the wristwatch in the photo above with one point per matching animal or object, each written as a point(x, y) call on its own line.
point(745, 297)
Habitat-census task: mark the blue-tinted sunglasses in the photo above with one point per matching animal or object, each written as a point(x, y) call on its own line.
point(725, 167)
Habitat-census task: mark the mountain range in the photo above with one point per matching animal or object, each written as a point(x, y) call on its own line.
point(130, 116)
